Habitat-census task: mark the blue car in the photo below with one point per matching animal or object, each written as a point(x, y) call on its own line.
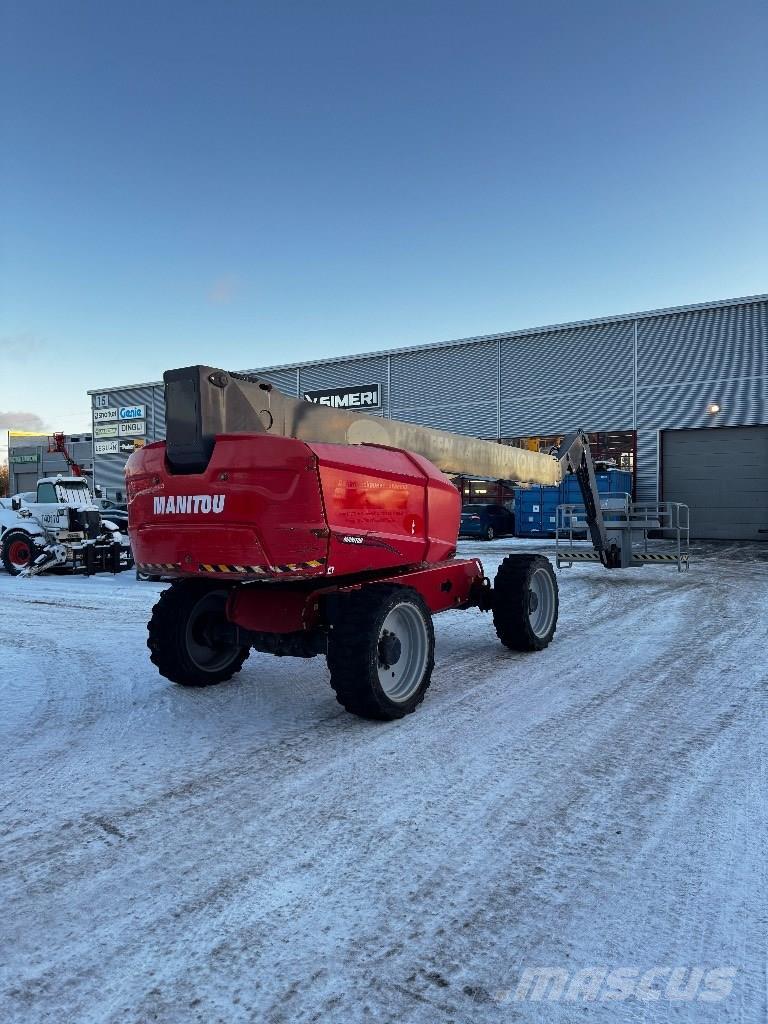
point(486, 521)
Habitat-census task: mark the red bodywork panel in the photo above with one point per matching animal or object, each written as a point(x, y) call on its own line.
point(277, 508)
point(291, 607)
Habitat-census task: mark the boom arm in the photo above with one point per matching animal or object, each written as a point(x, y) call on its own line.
point(202, 402)
point(574, 456)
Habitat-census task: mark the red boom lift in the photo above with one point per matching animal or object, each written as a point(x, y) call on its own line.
point(296, 529)
point(57, 443)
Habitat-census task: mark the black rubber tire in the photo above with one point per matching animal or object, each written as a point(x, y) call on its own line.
point(512, 602)
point(10, 537)
point(172, 648)
point(489, 533)
point(144, 577)
point(356, 620)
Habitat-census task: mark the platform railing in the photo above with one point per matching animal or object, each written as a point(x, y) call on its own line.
point(629, 525)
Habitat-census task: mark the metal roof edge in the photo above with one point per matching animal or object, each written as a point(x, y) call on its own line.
point(522, 332)
point(478, 338)
point(125, 387)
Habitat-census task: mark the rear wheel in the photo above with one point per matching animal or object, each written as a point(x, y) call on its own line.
point(187, 635)
point(525, 602)
point(381, 651)
point(19, 551)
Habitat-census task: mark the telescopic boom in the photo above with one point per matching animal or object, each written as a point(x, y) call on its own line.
point(202, 402)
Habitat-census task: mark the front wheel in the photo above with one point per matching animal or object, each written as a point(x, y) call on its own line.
point(19, 551)
point(188, 639)
point(525, 602)
point(381, 651)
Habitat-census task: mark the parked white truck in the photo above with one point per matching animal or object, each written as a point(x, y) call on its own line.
point(60, 526)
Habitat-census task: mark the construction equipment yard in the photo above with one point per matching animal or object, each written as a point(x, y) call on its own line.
point(249, 852)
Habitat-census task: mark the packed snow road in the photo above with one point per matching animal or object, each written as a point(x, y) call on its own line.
point(574, 834)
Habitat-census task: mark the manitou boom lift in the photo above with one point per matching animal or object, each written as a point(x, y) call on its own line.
point(296, 529)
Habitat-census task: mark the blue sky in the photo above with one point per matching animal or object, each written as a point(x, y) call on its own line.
point(253, 183)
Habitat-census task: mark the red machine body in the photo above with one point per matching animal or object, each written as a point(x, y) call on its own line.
point(274, 508)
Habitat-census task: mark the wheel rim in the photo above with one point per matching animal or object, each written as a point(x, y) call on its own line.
point(403, 651)
point(19, 554)
point(541, 602)
point(205, 653)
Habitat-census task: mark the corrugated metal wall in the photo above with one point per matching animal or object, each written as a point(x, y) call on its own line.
point(283, 380)
point(561, 380)
point(689, 360)
point(646, 373)
point(453, 388)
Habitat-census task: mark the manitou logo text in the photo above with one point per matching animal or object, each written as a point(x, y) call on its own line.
point(188, 503)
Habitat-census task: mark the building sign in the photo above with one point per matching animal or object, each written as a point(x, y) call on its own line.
point(16, 459)
point(127, 446)
point(135, 428)
point(106, 447)
point(365, 396)
point(138, 442)
point(100, 401)
point(104, 415)
point(105, 430)
point(132, 412)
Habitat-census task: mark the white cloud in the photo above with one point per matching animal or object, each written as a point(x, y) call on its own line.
point(22, 421)
point(21, 347)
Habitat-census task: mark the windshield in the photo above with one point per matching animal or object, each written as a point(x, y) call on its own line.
point(71, 493)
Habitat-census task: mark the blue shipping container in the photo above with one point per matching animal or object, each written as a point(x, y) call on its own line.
point(612, 481)
point(528, 511)
point(536, 507)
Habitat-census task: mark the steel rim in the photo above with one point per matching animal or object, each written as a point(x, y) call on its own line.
point(202, 651)
point(19, 554)
point(541, 602)
point(403, 628)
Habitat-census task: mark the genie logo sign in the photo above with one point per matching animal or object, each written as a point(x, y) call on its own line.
point(365, 396)
point(186, 504)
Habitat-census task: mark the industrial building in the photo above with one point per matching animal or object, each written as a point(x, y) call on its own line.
point(31, 456)
point(679, 396)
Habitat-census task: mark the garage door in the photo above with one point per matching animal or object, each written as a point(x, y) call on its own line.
point(26, 481)
point(722, 474)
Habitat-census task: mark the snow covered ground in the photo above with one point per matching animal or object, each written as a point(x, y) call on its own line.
point(252, 853)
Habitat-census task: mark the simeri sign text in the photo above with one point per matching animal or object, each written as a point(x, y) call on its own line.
point(364, 396)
